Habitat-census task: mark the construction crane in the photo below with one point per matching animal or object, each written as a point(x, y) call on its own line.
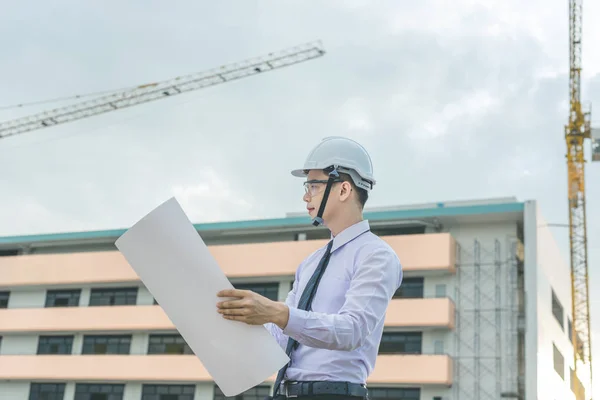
point(577, 131)
point(160, 90)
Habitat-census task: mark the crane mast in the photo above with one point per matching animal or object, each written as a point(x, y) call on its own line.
point(155, 91)
point(576, 131)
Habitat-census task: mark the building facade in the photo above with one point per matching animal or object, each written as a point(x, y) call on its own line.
point(483, 311)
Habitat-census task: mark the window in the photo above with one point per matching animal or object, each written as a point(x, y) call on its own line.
point(9, 252)
point(55, 345)
point(4, 296)
point(559, 362)
point(595, 146)
point(401, 343)
point(114, 296)
point(46, 391)
point(376, 393)
point(557, 309)
point(255, 393)
point(168, 392)
point(63, 298)
point(112, 344)
point(411, 288)
point(398, 230)
point(168, 344)
point(570, 329)
point(270, 290)
point(87, 391)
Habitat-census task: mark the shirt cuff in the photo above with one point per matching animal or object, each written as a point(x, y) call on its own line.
point(296, 322)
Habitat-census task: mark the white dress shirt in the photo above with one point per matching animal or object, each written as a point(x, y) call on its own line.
point(339, 339)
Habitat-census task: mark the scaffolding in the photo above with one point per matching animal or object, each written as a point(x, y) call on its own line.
point(487, 363)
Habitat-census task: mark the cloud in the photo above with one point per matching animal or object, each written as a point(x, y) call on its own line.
point(32, 214)
point(421, 97)
point(470, 105)
point(354, 114)
point(211, 199)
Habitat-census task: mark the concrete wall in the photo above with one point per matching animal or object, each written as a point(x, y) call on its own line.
point(552, 275)
point(27, 297)
point(19, 344)
point(530, 234)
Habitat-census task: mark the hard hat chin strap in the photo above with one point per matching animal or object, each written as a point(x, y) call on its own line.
point(333, 176)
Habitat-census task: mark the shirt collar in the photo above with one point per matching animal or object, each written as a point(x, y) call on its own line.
point(350, 233)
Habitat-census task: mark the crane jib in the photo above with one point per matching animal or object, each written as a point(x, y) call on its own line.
point(155, 91)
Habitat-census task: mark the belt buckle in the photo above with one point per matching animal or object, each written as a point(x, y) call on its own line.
point(287, 392)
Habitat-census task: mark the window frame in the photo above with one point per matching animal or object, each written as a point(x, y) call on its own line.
point(73, 297)
point(128, 294)
point(44, 341)
point(123, 347)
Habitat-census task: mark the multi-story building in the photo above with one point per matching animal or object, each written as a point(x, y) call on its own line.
point(483, 312)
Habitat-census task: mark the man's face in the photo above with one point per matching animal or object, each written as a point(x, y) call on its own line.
point(315, 185)
point(314, 189)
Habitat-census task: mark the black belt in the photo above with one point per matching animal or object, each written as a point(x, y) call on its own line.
point(314, 388)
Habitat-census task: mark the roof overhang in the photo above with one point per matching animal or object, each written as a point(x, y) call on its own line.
point(436, 214)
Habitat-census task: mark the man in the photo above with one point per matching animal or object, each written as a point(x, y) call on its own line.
point(333, 337)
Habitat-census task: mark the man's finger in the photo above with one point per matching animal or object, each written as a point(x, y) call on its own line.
point(235, 311)
point(236, 317)
point(232, 293)
point(231, 311)
point(231, 304)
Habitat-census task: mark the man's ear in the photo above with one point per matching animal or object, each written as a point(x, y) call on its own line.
point(345, 190)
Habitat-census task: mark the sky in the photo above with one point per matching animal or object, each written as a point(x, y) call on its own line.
point(454, 100)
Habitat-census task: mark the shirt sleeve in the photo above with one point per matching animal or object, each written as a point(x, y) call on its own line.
point(376, 279)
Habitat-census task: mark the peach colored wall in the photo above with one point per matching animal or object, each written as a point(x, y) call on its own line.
point(422, 313)
point(399, 369)
point(416, 252)
point(401, 313)
point(413, 369)
point(84, 319)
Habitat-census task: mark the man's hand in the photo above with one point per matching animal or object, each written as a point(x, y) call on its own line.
point(252, 308)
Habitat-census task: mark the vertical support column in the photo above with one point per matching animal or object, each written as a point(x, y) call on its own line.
point(284, 288)
point(84, 298)
point(139, 343)
point(133, 391)
point(458, 326)
point(69, 391)
point(77, 347)
point(205, 391)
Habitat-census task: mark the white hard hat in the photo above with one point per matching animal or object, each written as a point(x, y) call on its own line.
point(343, 154)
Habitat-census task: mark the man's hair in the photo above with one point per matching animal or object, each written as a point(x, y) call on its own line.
point(362, 194)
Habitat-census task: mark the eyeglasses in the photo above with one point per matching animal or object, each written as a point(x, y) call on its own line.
point(316, 186)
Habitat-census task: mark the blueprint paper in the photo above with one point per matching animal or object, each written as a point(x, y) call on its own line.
point(172, 260)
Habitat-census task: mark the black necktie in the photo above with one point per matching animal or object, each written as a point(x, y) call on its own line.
point(304, 304)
